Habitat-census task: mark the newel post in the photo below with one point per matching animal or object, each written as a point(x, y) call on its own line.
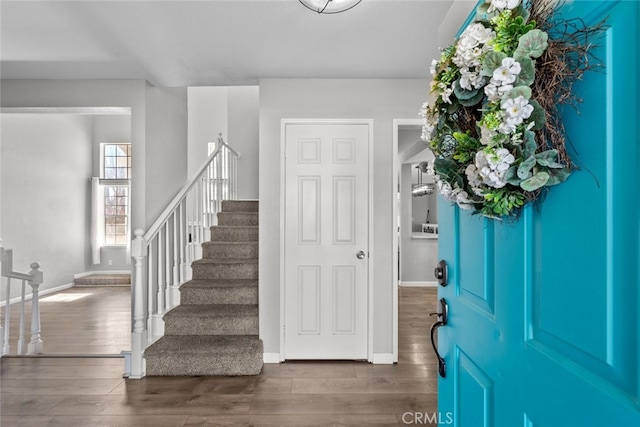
point(36, 345)
point(138, 331)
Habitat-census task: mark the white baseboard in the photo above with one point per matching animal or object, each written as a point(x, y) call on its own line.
point(89, 273)
point(382, 359)
point(418, 284)
point(271, 358)
point(42, 293)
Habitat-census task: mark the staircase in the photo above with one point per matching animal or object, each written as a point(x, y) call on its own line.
point(214, 330)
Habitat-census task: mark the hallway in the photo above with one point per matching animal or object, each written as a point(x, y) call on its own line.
point(91, 391)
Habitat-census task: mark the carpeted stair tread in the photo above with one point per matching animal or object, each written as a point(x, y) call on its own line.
point(212, 310)
point(212, 319)
point(205, 355)
point(240, 206)
point(238, 219)
point(221, 283)
point(205, 344)
point(222, 291)
point(247, 233)
point(226, 249)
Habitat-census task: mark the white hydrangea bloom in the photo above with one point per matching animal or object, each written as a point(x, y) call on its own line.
point(501, 5)
point(462, 199)
point(492, 165)
point(487, 135)
point(428, 122)
point(433, 67)
point(473, 175)
point(445, 189)
point(470, 48)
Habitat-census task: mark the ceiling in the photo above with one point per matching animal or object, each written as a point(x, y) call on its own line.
point(213, 42)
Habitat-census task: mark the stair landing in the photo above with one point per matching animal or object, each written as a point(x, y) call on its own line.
point(103, 280)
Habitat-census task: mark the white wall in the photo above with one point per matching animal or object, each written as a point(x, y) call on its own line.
point(166, 154)
point(380, 100)
point(243, 117)
point(46, 165)
point(207, 108)
point(232, 111)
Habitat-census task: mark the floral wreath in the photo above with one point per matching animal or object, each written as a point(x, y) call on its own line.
point(494, 127)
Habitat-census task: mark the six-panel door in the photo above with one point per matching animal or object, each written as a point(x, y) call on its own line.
point(326, 241)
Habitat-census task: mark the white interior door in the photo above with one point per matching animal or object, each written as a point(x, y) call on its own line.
point(326, 227)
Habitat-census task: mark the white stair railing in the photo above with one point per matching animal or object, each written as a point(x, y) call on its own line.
point(164, 253)
point(34, 278)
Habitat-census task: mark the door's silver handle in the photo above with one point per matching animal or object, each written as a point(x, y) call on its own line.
point(360, 255)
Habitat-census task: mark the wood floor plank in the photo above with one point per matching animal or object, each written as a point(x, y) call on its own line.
point(58, 386)
point(367, 385)
point(96, 421)
point(294, 421)
point(360, 404)
point(167, 404)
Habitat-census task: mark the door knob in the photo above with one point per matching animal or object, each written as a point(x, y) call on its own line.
point(441, 273)
point(360, 255)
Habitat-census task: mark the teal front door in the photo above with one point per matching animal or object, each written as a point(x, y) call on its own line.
point(543, 313)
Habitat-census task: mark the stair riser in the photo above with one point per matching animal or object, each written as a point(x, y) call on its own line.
point(225, 271)
point(222, 250)
point(244, 295)
point(232, 325)
point(188, 365)
point(237, 219)
point(240, 206)
point(234, 234)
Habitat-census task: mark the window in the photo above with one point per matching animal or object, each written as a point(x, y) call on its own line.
point(116, 171)
point(116, 161)
point(116, 215)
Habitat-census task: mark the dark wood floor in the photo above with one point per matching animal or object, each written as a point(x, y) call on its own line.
point(91, 391)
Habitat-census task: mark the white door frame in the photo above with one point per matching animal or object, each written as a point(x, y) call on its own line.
point(283, 178)
point(394, 212)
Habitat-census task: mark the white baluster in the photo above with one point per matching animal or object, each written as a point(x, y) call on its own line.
point(6, 348)
point(22, 308)
point(36, 346)
point(138, 250)
point(167, 267)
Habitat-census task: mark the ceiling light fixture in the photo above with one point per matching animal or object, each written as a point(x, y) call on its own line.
point(329, 6)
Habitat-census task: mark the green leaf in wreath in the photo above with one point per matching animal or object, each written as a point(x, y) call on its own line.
point(482, 14)
point(491, 61)
point(524, 170)
point(475, 100)
point(524, 91)
point(549, 159)
point(538, 115)
point(529, 143)
point(463, 94)
point(532, 44)
point(538, 180)
point(557, 176)
point(511, 176)
point(527, 71)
